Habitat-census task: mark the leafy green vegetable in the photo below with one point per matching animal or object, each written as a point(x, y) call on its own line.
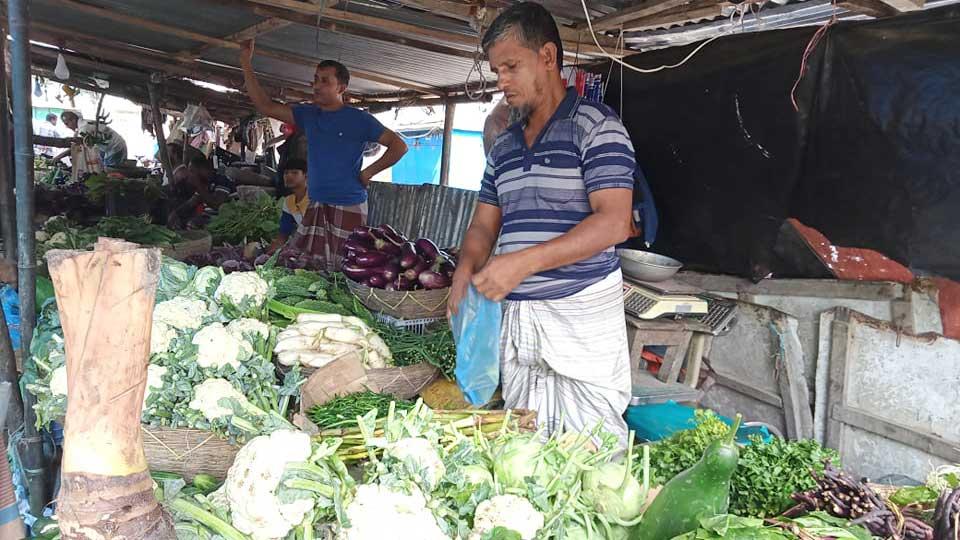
point(922, 495)
point(343, 411)
point(502, 533)
point(683, 449)
point(814, 525)
point(246, 221)
point(137, 229)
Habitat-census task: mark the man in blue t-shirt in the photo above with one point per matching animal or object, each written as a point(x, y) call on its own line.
point(336, 138)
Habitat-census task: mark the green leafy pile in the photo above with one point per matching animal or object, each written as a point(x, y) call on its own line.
point(137, 229)
point(814, 525)
point(343, 411)
point(767, 473)
point(239, 222)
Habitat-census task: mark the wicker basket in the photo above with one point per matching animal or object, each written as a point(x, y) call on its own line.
point(403, 382)
point(193, 243)
point(187, 452)
point(403, 304)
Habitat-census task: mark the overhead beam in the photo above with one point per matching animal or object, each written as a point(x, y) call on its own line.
point(389, 25)
point(223, 43)
point(905, 5)
point(692, 12)
point(639, 11)
point(250, 32)
point(871, 8)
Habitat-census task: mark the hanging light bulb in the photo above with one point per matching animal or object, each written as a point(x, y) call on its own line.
point(62, 71)
point(37, 91)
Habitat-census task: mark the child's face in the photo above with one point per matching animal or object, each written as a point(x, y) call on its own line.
point(294, 178)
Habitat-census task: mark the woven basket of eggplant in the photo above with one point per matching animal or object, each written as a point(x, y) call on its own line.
point(406, 279)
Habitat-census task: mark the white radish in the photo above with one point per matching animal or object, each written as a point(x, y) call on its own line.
point(319, 318)
point(379, 345)
point(288, 334)
point(336, 348)
point(344, 335)
point(289, 358)
point(373, 361)
point(316, 360)
point(295, 343)
point(356, 321)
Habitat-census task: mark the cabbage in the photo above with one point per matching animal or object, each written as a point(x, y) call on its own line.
point(517, 459)
point(174, 277)
point(204, 283)
point(477, 475)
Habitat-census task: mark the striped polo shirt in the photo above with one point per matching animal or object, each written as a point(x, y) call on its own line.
point(542, 190)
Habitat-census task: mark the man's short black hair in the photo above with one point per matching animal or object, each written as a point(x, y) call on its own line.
point(51, 117)
point(296, 164)
point(343, 74)
point(201, 162)
point(69, 114)
point(530, 23)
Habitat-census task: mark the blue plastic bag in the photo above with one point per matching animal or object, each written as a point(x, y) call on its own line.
point(476, 330)
point(10, 302)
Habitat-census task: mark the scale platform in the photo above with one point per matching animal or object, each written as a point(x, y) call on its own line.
point(646, 300)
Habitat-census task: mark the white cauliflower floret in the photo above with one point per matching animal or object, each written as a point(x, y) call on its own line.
point(421, 459)
point(245, 290)
point(241, 328)
point(181, 313)
point(507, 511)
point(58, 381)
point(254, 479)
point(377, 513)
point(41, 236)
point(58, 239)
point(161, 336)
point(216, 347)
point(155, 375)
point(207, 396)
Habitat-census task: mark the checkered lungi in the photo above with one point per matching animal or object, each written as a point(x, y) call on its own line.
point(325, 228)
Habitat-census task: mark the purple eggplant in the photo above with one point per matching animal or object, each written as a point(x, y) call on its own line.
point(402, 284)
point(372, 259)
point(362, 233)
point(388, 247)
point(391, 234)
point(261, 259)
point(377, 281)
point(356, 272)
point(356, 245)
point(414, 273)
point(433, 280)
point(230, 266)
point(391, 271)
point(427, 249)
point(408, 255)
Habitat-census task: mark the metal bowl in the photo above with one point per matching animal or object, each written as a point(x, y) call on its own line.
point(646, 266)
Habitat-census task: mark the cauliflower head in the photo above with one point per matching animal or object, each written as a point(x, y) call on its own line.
point(420, 458)
point(507, 511)
point(241, 328)
point(41, 236)
point(217, 347)
point(181, 313)
point(254, 480)
point(161, 337)
point(247, 291)
point(58, 381)
point(204, 282)
point(155, 375)
point(207, 396)
point(377, 513)
point(58, 239)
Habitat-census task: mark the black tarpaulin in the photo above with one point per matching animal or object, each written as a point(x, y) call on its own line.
point(872, 159)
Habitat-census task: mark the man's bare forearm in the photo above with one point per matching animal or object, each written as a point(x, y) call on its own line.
point(478, 244)
point(261, 100)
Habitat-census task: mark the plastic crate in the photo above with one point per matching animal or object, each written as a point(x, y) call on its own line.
point(417, 326)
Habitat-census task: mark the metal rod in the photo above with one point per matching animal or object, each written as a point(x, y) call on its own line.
point(18, 17)
point(158, 129)
point(449, 111)
point(8, 206)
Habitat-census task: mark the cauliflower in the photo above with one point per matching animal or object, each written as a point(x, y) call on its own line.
point(254, 480)
point(41, 236)
point(181, 313)
point(507, 511)
point(376, 513)
point(241, 328)
point(161, 337)
point(420, 458)
point(58, 381)
point(216, 347)
point(155, 375)
point(246, 291)
point(207, 396)
point(58, 239)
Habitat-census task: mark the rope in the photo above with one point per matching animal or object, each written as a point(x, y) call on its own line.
point(478, 67)
point(178, 456)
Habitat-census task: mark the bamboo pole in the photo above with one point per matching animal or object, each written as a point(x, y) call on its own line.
point(158, 128)
point(8, 212)
point(106, 298)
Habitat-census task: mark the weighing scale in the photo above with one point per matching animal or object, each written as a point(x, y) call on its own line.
point(645, 300)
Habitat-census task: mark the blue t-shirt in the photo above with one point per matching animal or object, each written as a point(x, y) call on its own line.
point(335, 145)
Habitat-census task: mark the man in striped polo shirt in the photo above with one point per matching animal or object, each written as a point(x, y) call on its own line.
point(556, 197)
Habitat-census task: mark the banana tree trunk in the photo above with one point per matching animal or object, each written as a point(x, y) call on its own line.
point(106, 299)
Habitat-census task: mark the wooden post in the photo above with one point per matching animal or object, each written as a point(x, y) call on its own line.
point(158, 127)
point(450, 109)
point(106, 299)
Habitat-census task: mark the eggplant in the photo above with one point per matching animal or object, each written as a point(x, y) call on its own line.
point(261, 259)
point(391, 271)
point(372, 259)
point(390, 234)
point(377, 281)
point(356, 272)
point(357, 245)
point(408, 255)
point(427, 249)
point(402, 283)
point(230, 266)
point(385, 246)
point(362, 233)
point(414, 273)
point(433, 280)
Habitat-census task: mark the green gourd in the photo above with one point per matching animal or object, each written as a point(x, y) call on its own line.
point(700, 491)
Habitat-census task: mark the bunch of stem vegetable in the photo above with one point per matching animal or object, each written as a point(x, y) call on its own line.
point(435, 347)
point(342, 412)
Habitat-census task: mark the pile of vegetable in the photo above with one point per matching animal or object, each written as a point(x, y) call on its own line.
point(382, 258)
point(317, 339)
point(244, 257)
point(60, 233)
point(210, 357)
point(755, 492)
point(239, 222)
point(343, 411)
